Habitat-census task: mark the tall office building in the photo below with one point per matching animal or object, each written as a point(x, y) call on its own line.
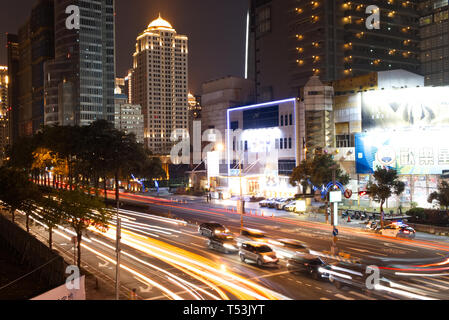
point(4, 112)
point(12, 47)
point(290, 41)
point(434, 30)
point(159, 83)
point(80, 81)
point(35, 45)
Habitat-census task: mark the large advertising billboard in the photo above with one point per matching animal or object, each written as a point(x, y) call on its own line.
point(409, 107)
point(410, 152)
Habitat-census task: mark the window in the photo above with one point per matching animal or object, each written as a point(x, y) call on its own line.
point(285, 143)
point(289, 143)
point(282, 121)
point(267, 117)
point(291, 119)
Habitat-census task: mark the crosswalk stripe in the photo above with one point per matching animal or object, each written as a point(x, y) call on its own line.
point(343, 297)
point(361, 295)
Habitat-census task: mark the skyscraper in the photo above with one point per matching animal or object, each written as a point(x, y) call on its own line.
point(80, 81)
point(12, 46)
point(434, 30)
point(290, 41)
point(4, 112)
point(35, 45)
point(159, 83)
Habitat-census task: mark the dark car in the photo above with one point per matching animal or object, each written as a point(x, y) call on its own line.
point(211, 229)
point(349, 275)
point(223, 243)
point(264, 203)
point(308, 264)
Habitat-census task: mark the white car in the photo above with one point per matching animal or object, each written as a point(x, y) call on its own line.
point(398, 231)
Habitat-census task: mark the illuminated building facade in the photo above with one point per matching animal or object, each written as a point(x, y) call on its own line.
point(4, 112)
point(434, 30)
point(159, 83)
point(266, 144)
point(290, 41)
point(128, 117)
point(80, 80)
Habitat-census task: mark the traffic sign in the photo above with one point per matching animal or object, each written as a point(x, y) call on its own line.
point(335, 232)
point(348, 193)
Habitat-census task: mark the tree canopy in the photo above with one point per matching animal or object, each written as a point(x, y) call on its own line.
point(319, 171)
point(441, 196)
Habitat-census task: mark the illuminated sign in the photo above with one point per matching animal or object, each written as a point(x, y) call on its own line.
point(410, 107)
point(409, 152)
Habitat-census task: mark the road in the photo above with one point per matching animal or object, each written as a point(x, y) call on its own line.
point(165, 258)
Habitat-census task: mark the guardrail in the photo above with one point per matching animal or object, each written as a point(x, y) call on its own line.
point(443, 231)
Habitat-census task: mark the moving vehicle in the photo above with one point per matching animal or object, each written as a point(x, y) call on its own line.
point(287, 248)
point(349, 275)
point(398, 230)
point(248, 234)
point(211, 229)
point(308, 264)
point(224, 243)
point(258, 252)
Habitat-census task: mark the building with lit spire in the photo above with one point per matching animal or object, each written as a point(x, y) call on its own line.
point(159, 81)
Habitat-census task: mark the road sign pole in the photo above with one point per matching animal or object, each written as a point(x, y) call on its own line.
point(117, 266)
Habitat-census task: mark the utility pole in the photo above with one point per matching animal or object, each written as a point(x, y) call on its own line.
point(117, 250)
point(241, 206)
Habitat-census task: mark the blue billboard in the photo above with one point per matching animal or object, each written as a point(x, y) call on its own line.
point(410, 152)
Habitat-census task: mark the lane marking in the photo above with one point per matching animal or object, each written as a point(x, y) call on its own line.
point(360, 295)
point(343, 297)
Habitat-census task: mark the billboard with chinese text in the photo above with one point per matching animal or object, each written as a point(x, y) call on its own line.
point(411, 152)
point(402, 108)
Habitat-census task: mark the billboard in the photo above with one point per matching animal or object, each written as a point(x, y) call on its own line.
point(409, 107)
point(410, 152)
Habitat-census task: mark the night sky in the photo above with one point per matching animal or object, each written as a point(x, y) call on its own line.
point(216, 31)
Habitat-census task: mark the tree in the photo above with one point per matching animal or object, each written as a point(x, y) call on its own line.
point(441, 196)
point(50, 214)
point(319, 171)
point(16, 191)
point(386, 183)
point(81, 211)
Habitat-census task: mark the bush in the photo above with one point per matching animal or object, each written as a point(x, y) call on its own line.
point(417, 214)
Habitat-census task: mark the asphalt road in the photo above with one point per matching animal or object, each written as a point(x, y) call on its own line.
point(166, 258)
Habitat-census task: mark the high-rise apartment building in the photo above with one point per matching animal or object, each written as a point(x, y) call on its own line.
point(4, 112)
point(434, 30)
point(159, 83)
point(290, 41)
point(80, 81)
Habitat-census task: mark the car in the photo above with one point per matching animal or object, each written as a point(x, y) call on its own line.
point(211, 229)
point(249, 234)
point(264, 203)
point(398, 230)
point(291, 206)
point(287, 248)
point(308, 264)
point(224, 242)
point(260, 253)
point(282, 203)
point(349, 275)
